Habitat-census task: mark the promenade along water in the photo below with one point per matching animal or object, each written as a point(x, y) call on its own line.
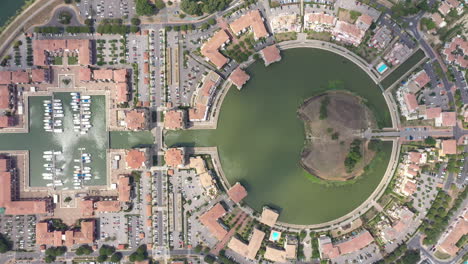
point(95, 142)
point(260, 138)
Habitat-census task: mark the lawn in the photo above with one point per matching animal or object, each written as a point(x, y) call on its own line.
point(285, 36)
point(58, 61)
point(72, 60)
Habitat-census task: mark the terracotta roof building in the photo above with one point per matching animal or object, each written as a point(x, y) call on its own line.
point(120, 75)
point(319, 21)
point(45, 49)
point(124, 189)
point(68, 238)
point(448, 147)
point(107, 206)
point(136, 159)
point(269, 217)
point(248, 250)
point(210, 220)
point(455, 52)
point(7, 201)
point(135, 119)
point(84, 74)
point(6, 121)
point(40, 75)
point(211, 49)
point(239, 77)
point(203, 97)
point(455, 233)
point(4, 97)
point(270, 54)
point(103, 75)
point(449, 119)
point(411, 102)
point(237, 192)
point(364, 22)
point(120, 93)
point(275, 255)
point(18, 77)
point(174, 157)
point(174, 120)
point(348, 33)
point(332, 251)
point(5, 77)
point(86, 207)
point(252, 20)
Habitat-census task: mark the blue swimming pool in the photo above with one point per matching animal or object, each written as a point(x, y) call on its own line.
point(275, 236)
point(382, 67)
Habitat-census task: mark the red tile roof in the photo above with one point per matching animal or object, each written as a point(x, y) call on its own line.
point(271, 54)
point(104, 74)
point(135, 159)
point(253, 20)
point(449, 146)
point(237, 192)
point(19, 77)
point(211, 49)
point(422, 79)
point(432, 113)
point(124, 188)
point(5, 77)
point(84, 74)
point(135, 119)
point(107, 206)
point(174, 157)
point(67, 238)
point(174, 119)
point(6, 121)
point(239, 77)
point(210, 220)
point(121, 93)
point(4, 97)
point(120, 75)
point(40, 75)
point(42, 47)
point(449, 119)
point(411, 103)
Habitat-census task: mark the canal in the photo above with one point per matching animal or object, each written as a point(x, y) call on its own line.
point(70, 143)
point(260, 138)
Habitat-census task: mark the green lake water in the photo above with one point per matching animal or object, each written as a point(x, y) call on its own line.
point(260, 138)
point(95, 142)
point(9, 8)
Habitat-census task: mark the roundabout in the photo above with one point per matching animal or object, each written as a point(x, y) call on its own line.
point(260, 137)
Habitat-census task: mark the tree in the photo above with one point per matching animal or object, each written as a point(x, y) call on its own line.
point(428, 23)
point(101, 258)
point(49, 259)
point(136, 21)
point(84, 250)
point(212, 21)
point(144, 8)
point(116, 257)
point(68, 199)
point(4, 244)
point(160, 4)
point(106, 250)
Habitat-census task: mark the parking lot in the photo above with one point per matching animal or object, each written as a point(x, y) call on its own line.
point(100, 9)
point(111, 226)
point(21, 230)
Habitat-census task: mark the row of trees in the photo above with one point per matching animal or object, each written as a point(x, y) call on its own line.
point(147, 8)
point(195, 7)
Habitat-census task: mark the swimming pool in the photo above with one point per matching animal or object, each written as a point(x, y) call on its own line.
point(275, 236)
point(382, 67)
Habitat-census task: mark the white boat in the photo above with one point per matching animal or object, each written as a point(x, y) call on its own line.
point(87, 161)
point(47, 178)
point(58, 115)
point(83, 132)
point(47, 174)
point(57, 181)
point(47, 165)
point(49, 184)
point(85, 155)
point(76, 188)
point(57, 104)
point(87, 125)
point(58, 108)
point(48, 152)
point(58, 184)
point(57, 100)
point(74, 93)
point(47, 156)
point(85, 158)
point(58, 152)
point(77, 160)
point(48, 169)
point(47, 101)
point(76, 183)
point(86, 97)
point(58, 170)
point(86, 168)
point(58, 130)
point(59, 111)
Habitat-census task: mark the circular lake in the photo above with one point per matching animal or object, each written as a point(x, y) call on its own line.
point(260, 137)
